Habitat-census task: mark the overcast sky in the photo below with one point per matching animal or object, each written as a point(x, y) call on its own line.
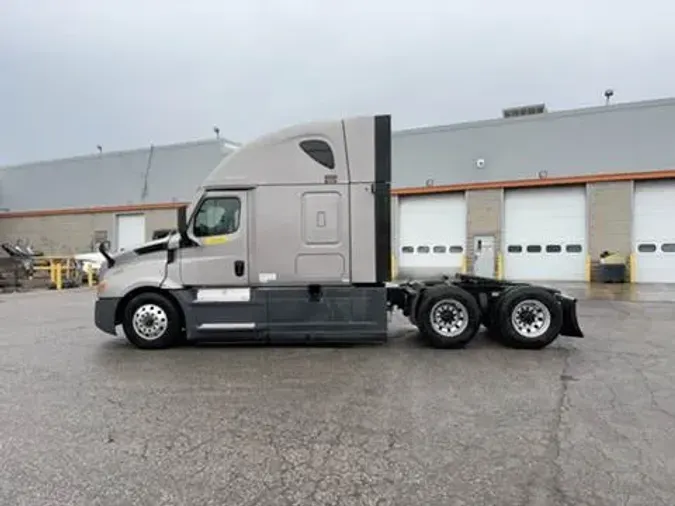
point(127, 73)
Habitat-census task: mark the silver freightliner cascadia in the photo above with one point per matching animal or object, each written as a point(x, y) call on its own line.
point(289, 239)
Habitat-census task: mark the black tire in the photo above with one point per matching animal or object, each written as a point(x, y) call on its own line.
point(163, 317)
point(541, 317)
point(491, 319)
point(460, 301)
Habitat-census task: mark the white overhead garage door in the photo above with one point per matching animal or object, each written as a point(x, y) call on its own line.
point(130, 230)
point(432, 235)
point(544, 236)
point(654, 232)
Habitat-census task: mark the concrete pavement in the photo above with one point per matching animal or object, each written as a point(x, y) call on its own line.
point(85, 419)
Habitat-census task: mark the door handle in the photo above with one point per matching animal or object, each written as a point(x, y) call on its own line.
point(239, 268)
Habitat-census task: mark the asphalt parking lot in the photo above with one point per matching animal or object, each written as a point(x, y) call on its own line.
point(85, 419)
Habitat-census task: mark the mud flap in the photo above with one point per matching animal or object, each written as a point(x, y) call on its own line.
point(570, 326)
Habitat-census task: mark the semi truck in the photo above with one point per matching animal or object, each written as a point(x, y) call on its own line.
point(289, 239)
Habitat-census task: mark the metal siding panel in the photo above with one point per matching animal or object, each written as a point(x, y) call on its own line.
point(177, 171)
point(73, 183)
point(601, 140)
point(110, 179)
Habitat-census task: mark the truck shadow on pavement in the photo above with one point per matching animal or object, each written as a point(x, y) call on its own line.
point(401, 338)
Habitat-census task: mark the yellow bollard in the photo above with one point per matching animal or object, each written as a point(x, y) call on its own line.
point(52, 271)
point(90, 277)
point(59, 280)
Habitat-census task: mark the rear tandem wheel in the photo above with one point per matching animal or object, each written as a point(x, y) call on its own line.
point(526, 317)
point(448, 316)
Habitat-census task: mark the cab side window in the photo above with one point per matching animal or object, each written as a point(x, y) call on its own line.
point(217, 216)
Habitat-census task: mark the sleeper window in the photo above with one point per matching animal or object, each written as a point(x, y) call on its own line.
point(320, 152)
point(218, 216)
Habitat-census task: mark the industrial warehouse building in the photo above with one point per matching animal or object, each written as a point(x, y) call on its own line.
point(543, 194)
point(71, 205)
point(533, 195)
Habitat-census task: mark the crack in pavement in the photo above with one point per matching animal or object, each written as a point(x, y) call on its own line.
point(545, 488)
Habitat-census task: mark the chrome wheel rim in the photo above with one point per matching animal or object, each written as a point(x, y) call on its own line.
point(449, 318)
point(531, 318)
point(150, 322)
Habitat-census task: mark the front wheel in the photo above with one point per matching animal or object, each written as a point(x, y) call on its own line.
point(528, 317)
point(449, 316)
point(151, 321)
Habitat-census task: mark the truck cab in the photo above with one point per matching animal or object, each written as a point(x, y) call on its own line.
point(287, 238)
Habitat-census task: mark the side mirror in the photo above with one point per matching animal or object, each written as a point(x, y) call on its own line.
point(173, 243)
point(103, 248)
point(181, 216)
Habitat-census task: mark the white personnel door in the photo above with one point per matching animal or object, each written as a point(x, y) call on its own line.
point(654, 232)
point(130, 230)
point(432, 232)
point(544, 236)
point(484, 256)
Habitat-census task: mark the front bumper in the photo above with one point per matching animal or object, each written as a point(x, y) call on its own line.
point(104, 314)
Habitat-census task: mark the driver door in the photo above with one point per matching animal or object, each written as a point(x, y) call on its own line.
point(219, 230)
